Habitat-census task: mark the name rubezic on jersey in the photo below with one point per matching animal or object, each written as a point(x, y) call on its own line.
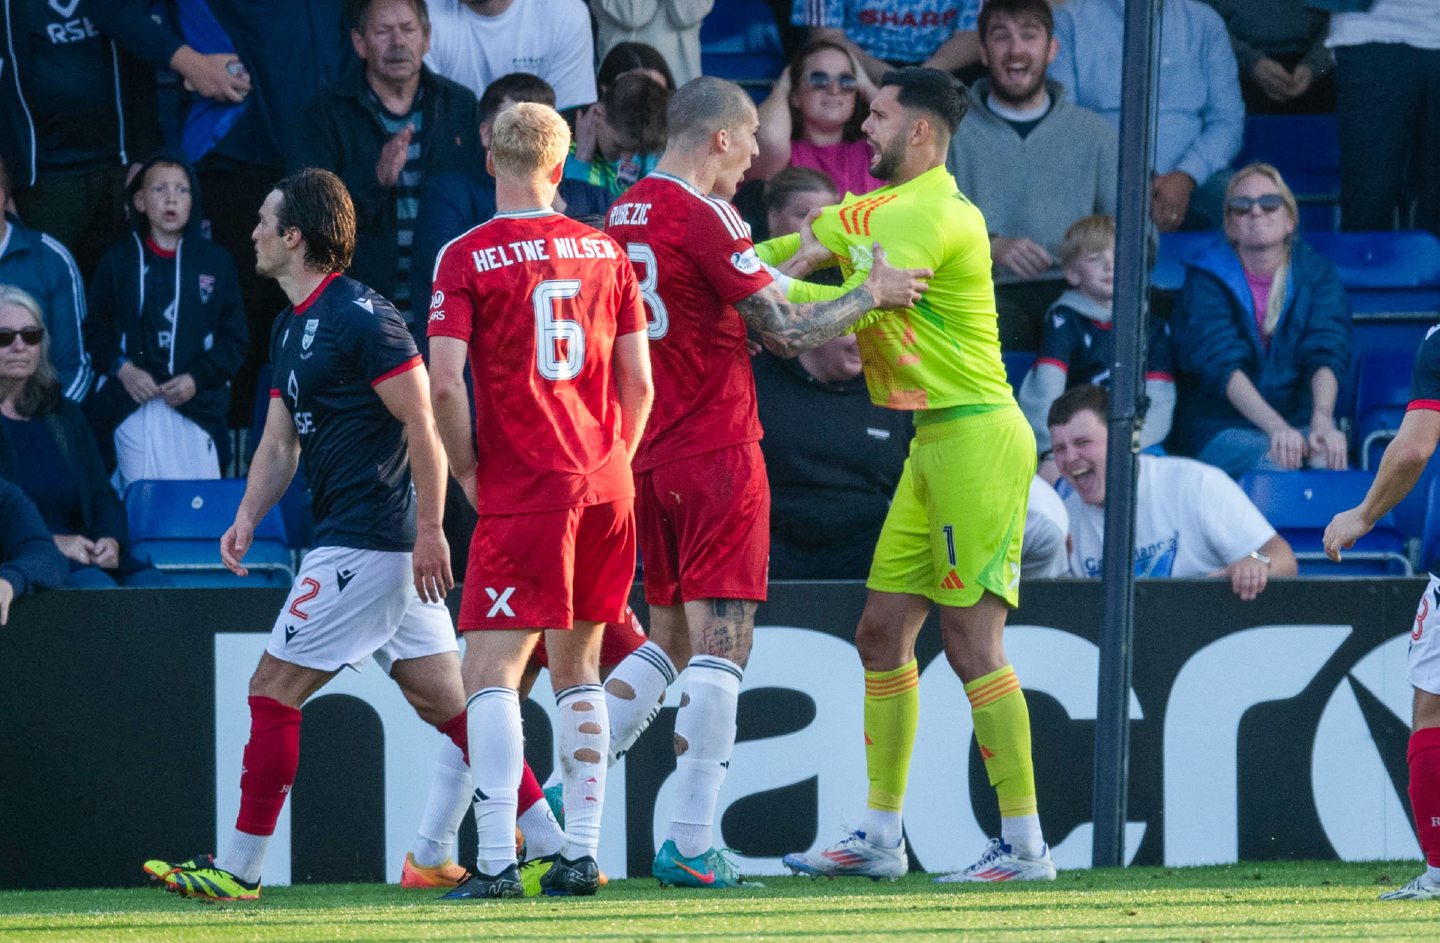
point(535, 250)
point(629, 214)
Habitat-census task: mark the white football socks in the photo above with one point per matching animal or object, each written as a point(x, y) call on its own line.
point(543, 836)
point(882, 828)
point(497, 748)
point(444, 808)
point(644, 675)
point(705, 735)
point(244, 855)
point(1022, 834)
point(583, 736)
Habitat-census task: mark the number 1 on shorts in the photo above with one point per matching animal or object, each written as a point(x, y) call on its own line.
point(949, 542)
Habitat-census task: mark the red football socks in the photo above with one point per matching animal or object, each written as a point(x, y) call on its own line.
point(455, 728)
point(1424, 756)
point(530, 791)
point(271, 758)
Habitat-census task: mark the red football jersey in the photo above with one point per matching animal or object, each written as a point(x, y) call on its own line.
point(541, 298)
point(694, 258)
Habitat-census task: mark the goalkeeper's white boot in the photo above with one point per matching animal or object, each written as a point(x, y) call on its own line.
point(1422, 888)
point(852, 856)
point(1001, 863)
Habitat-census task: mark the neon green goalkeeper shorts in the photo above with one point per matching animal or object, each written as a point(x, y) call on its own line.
point(955, 527)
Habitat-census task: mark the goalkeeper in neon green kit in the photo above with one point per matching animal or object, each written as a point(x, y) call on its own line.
point(953, 533)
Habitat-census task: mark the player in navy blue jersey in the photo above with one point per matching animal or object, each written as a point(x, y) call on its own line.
point(1401, 466)
point(352, 401)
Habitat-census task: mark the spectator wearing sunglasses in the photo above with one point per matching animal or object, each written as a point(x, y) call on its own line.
point(812, 119)
point(47, 449)
point(1262, 337)
point(43, 268)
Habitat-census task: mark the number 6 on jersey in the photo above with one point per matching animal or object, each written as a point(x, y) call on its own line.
point(559, 342)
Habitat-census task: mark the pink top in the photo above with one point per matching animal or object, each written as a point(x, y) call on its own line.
point(847, 163)
point(1260, 296)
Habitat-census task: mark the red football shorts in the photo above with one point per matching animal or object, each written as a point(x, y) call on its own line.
point(545, 569)
point(617, 640)
point(705, 526)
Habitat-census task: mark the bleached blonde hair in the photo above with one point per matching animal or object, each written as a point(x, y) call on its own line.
point(527, 139)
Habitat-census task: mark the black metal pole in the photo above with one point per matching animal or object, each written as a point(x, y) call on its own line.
point(1117, 633)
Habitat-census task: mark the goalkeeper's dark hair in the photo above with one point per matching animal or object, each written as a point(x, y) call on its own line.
point(933, 92)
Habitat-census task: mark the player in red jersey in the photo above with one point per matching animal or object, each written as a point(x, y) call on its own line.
point(702, 499)
point(547, 310)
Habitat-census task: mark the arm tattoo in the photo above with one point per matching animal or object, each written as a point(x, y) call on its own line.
point(789, 329)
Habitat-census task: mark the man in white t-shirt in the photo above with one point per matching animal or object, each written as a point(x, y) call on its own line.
point(474, 42)
point(1191, 520)
point(1043, 553)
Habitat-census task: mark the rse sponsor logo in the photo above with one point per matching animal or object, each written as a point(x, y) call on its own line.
point(747, 262)
point(304, 423)
point(71, 31)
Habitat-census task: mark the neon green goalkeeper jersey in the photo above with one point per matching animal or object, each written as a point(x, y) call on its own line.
point(946, 350)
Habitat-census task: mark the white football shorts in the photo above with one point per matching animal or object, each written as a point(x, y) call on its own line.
point(1424, 661)
point(348, 605)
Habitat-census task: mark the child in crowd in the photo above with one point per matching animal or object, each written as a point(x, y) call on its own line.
point(619, 139)
point(1077, 345)
point(167, 331)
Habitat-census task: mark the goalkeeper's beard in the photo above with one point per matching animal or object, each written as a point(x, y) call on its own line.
point(890, 159)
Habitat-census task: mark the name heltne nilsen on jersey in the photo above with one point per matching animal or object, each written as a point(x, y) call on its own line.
point(543, 250)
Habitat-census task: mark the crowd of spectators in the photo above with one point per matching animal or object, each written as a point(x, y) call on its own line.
point(134, 326)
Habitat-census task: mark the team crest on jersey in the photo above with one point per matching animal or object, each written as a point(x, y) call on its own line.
point(860, 257)
point(207, 288)
point(311, 326)
point(746, 262)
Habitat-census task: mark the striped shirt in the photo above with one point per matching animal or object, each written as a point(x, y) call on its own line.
point(407, 195)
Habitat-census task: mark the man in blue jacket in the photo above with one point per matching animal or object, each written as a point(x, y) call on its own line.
point(39, 264)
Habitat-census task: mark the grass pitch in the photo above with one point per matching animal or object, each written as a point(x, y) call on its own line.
point(1271, 901)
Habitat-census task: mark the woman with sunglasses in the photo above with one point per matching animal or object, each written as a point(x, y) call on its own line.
point(1262, 337)
point(813, 116)
point(47, 449)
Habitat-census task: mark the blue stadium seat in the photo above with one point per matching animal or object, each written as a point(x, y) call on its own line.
point(1306, 151)
point(1386, 272)
point(1175, 249)
point(1017, 364)
point(178, 525)
point(1299, 505)
point(740, 41)
point(1382, 389)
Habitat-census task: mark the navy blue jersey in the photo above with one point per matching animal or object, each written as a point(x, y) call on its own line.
point(1425, 378)
point(328, 353)
point(1085, 348)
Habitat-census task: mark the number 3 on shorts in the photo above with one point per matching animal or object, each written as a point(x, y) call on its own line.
point(640, 253)
point(559, 342)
